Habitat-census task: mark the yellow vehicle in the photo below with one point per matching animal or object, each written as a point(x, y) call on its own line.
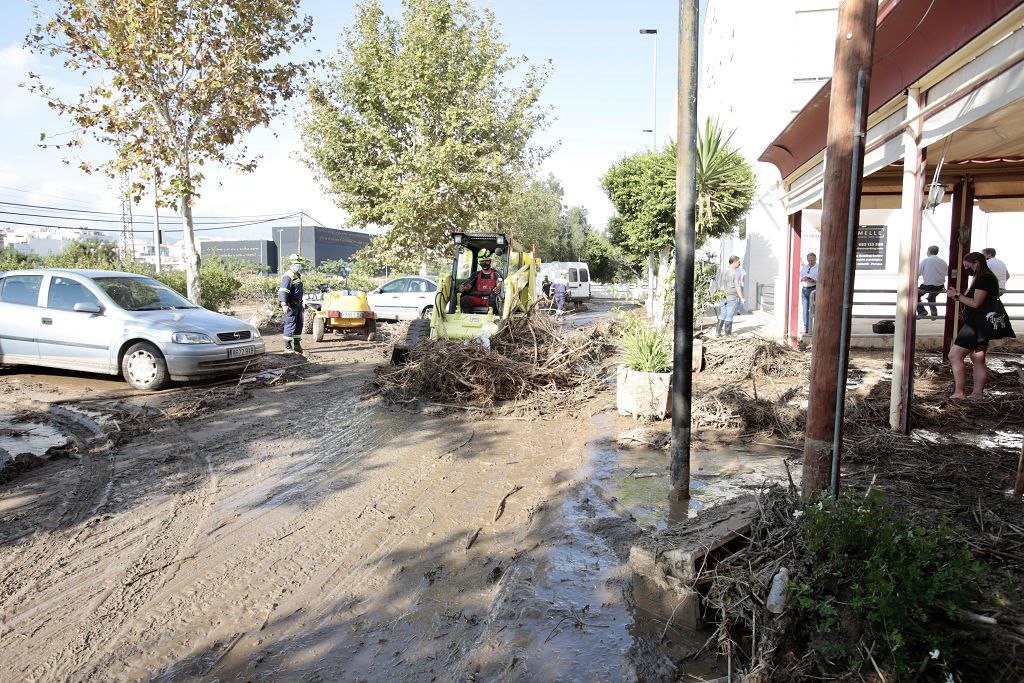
point(461, 312)
point(344, 310)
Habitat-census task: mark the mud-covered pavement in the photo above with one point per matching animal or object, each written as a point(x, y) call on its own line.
point(294, 530)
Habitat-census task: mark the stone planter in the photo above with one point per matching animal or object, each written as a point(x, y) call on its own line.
point(643, 394)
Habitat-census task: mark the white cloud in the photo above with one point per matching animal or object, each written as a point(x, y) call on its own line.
point(14, 65)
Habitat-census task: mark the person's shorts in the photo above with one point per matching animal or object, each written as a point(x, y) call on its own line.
point(967, 338)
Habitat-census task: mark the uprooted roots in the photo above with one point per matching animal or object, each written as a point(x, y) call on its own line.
point(531, 365)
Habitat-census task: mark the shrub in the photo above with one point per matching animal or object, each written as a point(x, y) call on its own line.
point(644, 349)
point(869, 574)
point(219, 284)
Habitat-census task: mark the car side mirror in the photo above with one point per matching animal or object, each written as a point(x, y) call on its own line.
point(88, 308)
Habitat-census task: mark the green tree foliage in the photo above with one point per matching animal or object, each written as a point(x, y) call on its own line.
point(419, 125)
point(220, 279)
point(180, 81)
point(12, 259)
point(88, 253)
point(534, 212)
point(573, 230)
point(642, 188)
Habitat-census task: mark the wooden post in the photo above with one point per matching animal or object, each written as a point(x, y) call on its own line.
point(793, 285)
point(854, 48)
point(1018, 487)
point(686, 224)
point(901, 392)
point(959, 246)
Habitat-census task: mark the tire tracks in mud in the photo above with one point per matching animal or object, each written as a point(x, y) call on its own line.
point(77, 618)
point(32, 563)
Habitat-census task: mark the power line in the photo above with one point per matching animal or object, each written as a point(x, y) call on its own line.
point(111, 213)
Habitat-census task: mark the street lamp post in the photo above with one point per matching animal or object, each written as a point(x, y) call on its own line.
point(654, 89)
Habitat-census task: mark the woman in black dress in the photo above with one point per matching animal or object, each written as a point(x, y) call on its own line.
point(975, 334)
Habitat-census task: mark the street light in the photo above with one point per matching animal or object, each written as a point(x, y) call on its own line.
point(654, 90)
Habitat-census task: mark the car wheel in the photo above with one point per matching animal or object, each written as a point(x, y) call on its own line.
point(426, 313)
point(318, 328)
point(144, 367)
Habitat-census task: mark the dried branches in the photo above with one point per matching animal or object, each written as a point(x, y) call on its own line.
point(531, 366)
point(746, 357)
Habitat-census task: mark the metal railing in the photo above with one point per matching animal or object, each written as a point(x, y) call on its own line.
point(886, 310)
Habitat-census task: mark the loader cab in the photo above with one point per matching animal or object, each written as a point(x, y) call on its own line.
point(466, 263)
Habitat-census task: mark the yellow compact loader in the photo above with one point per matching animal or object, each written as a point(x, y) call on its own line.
point(463, 315)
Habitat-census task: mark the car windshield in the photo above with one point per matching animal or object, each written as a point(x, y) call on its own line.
point(142, 294)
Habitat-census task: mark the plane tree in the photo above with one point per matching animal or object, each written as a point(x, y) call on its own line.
point(171, 85)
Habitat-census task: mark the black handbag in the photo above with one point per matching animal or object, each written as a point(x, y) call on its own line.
point(991, 320)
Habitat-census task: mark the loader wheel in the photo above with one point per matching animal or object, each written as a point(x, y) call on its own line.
point(318, 328)
point(371, 330)
point(419, 331)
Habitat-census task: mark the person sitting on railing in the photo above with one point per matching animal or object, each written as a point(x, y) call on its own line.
point(932, 272)
point(997, 267)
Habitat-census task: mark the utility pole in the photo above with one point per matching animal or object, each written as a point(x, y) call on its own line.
point(156, 222)
point(844, 168)
point(686, 215)
point(654, 87)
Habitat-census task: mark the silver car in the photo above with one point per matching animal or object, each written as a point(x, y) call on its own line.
point(110, 322)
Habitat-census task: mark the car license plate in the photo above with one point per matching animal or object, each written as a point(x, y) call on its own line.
point(239, 351)
point(352, 314)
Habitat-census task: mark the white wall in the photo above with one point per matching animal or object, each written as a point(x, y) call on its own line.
point(762, 62)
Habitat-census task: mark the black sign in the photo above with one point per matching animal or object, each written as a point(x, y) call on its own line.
point(871, 242)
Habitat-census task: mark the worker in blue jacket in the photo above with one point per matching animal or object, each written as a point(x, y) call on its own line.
point(290, 295)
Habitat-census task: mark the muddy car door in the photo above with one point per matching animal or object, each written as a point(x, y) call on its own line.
point(19, 318)
point(75, 333)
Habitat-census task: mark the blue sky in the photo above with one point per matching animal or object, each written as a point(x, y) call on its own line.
point(599, 93)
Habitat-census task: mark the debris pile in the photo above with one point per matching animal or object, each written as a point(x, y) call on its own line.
point(531, 366)
point(752, 357)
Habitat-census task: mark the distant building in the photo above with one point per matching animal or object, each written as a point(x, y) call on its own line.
point(262, 252)
point(319, 244)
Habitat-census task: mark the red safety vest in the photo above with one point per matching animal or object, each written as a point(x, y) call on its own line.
point(484, 283)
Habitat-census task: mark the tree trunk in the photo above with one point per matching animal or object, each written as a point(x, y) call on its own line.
point(192, 281)
point(650, 283)
point(664, 261)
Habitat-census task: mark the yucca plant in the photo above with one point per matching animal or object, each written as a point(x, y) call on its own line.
point(644, 349)
point(725, 182)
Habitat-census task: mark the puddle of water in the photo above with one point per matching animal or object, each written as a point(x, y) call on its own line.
point(31, 438)
point(639, 478)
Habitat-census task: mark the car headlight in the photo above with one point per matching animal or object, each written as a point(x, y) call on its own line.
point(256, 333)
point(190, 338)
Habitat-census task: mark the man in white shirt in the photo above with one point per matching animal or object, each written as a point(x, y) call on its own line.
point(997, 267)
point(932, 272)
point(808, 282)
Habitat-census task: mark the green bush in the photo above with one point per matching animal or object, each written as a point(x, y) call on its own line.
point(219, 284)
point(644, 349)
point(871, 575)
point(259, 289)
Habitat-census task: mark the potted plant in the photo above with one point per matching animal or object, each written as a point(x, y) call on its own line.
point(643, 380)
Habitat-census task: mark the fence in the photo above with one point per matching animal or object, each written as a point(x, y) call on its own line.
point(765, 297)
point(866, 306)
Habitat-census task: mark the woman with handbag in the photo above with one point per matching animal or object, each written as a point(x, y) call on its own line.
point(984, 319)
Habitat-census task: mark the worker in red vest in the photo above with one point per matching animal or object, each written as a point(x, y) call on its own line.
point(482, 289)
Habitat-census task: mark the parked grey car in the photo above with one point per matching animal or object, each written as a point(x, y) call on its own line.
point(110, 322)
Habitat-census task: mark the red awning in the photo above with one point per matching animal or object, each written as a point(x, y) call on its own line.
point(912, 38)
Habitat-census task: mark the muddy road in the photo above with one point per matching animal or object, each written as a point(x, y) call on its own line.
point(296, 531)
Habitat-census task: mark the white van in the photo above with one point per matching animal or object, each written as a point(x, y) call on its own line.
point(576, 272)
